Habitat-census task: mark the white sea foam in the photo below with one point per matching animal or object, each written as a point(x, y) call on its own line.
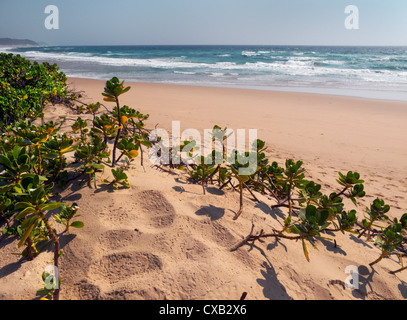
point(250, 53)
point(184, 72)
point(321, 69)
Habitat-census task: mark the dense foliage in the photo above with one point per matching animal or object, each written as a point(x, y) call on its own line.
point(34, 157)
point(26, 87)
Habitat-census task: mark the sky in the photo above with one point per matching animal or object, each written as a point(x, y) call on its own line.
point(211, 22)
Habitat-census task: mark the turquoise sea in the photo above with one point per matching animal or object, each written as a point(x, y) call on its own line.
point(375, 72)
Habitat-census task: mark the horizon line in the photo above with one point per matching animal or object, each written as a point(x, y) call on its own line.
point(232, 45)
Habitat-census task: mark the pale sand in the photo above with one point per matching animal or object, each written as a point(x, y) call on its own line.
point(163, 239)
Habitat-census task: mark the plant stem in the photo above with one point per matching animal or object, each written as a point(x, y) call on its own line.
point(29, 249)
point(203, 178)
point(7, 220)
point(342, 192)
point(56, 247)
point(399, 270)
point(251, 192)
point(379, 259)
point(208, 177)
point(290, 208)
point(367, 228)
point(241, 201)
point(252, 237)
point(141, 156)
point(59, 169)
point(39, 160)
point(118, 132)
point(263, 185)
point(225, 184)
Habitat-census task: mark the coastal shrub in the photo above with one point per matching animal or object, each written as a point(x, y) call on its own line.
point(33, 158)
point(312, 215)
point(28, 171)
point(26, 87)
point(123, 126)
point(67, 213)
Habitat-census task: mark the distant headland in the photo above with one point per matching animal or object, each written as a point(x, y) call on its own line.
point(17, 42)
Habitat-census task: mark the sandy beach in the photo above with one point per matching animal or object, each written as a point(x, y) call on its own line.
point(329, 132)
point(164, 239)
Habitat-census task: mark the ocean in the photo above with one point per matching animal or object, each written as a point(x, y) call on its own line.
point(372, 72)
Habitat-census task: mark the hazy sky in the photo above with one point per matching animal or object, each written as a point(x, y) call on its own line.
point(264, 22)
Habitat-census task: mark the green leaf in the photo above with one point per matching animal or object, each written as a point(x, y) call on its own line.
point(295, 230)
point(98, 166)
point(22, 205)
point(6, 188)
point(89, 170)
point(77, 224)
point(146, 143)
point(26, 235)
point(25, 212)
point(16, 152)
point(50, 206)
point(51, 156)
point(28, 222)
point(243, 179)
point(379, 240)
point(5, 161)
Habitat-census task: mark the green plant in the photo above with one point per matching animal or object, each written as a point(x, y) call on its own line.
point(26, 87)
point(32, 157)
point(235, 168)
point(91, 155)
point(67, 213)
point(204, 169)
point(377, 212)
point(113, 89)
point(32, 205)
point(120, 177)
point(51, 285)
point(81, 127)
point(105, 125)
point(129, 148)
point(388, 240)
point(55, 148)
point(5, 203)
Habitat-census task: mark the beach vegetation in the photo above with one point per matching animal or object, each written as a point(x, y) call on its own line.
point(34, 158)
point(312, 216)
point(25, 88)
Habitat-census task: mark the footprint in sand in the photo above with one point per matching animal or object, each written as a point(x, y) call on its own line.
point(114, 239)
point(125, 293)
point(160, 211)
point(84, 291)
point(120, 266)
point(114, 215)
point(193, 249)
point(221, 235)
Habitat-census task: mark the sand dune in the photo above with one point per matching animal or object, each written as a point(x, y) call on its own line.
point(164, 239)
